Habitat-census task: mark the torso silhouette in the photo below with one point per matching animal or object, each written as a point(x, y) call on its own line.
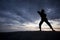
point(42, 14)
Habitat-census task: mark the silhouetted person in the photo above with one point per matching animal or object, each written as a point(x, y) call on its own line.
point(44, 19)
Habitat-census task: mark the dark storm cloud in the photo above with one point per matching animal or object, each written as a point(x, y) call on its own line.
point(31, 5)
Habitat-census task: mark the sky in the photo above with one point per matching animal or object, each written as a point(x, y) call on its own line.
point(21, 15)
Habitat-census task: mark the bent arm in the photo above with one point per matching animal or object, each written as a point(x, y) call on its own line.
point(38, 12)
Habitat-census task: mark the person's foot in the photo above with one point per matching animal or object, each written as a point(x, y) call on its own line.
point(53, 30)
point(40, 30)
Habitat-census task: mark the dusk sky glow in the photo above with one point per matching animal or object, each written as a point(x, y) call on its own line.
point(21, 15)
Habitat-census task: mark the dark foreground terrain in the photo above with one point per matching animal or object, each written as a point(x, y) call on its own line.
point(30, 35)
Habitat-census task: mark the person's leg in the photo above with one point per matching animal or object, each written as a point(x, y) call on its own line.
point(49, 25)
point(40, 24)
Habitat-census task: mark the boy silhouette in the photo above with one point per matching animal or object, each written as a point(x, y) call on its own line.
point(44, 19)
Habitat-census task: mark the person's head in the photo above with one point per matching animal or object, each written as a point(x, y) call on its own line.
point(42, 10)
